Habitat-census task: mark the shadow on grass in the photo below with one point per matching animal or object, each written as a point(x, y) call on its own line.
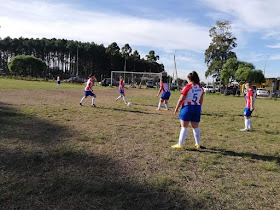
point(131, 111)
point(238, 154)
point(29, 128)
point(67, 178)
point(226, 115)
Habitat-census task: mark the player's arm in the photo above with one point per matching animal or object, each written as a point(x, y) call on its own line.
point(201, 99)
point(179, 103)
point(251, 103)
point(159, 91)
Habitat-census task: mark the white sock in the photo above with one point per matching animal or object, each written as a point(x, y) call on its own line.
point(159, 105)
point(167, 106)
point(93, 100)
point(124, 99)
point(196, 134)
point(118, 98)
point(249, 123)
point(246, 123)
point(82, 99)
point(183, 135)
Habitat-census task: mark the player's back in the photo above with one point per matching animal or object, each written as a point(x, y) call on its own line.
point(164, 87)
point(193, 93)
point(89, 84)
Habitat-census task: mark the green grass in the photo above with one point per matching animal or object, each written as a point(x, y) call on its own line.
point(55, 154)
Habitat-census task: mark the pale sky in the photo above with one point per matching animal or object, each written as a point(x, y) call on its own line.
point(168, 27)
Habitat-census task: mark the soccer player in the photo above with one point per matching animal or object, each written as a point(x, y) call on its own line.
point(89, 91)
point(249, 106)
point(165, 94)
point(121, 90)
point(58, 81)
point(191, 100)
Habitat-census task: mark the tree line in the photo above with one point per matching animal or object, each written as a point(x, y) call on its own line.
point(67, 57)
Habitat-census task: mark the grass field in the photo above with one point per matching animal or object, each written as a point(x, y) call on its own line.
point(55, 154)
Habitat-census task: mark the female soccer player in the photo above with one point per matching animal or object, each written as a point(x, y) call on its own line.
point(165, 93)
point(58, 81)
point(89, 91)
point(121, 90)
point(191, 100)
point(249, 106)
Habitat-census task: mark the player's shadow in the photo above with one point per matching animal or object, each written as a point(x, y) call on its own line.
point(226, 115)
point(130, 110)
point(238, 154)
point(63, 176)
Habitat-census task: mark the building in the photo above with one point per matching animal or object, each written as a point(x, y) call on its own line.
point(270, 84)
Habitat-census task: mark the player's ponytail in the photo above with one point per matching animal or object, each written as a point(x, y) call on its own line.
point(193, 76)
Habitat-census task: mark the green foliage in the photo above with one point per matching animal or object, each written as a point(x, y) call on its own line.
point(126, 50)
point(220, 49)
point(229, 69)
point(242, 74)
point(151, 57)
point(246, 72)
point(26, 65)
point(63, 57)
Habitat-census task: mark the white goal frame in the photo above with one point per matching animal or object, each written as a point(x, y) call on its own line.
point(132, 72)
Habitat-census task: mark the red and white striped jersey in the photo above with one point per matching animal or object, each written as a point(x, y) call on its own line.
point(248, 99)
point(164, 87)
point(89, 84)
point(193, 93)
point(121, 85)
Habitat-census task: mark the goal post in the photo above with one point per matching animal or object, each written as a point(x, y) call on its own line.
point(136, 77)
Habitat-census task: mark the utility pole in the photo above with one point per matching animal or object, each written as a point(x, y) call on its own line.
point(77, 73)
point(176, 75)
point(124, 68)
point(265, 65)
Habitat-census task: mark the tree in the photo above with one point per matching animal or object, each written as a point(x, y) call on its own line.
point(220, 49)
point(136, 57)
point(257, 76)
point(26, 65)
point(246, 72)
point(126, 50)
point(113, 49)
point(243, 74)
point(228, 70)
point(151, 57)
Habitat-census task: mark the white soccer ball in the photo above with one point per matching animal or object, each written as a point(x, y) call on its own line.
point(129, 104)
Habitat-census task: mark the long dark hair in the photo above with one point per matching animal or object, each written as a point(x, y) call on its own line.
point(164, 79)
point(193, 76)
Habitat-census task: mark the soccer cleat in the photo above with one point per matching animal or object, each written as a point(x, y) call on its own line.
point(244, 129)
point(81, 104)
point(177, 146)
point(197, 146)
point(93, 105)
point(157, 109)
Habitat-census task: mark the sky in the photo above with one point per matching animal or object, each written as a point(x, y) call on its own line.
point(169, 27)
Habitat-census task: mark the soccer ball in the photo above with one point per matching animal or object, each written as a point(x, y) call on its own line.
point(129, 104)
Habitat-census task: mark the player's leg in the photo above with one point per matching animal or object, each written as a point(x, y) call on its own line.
point(93, 100)
point(166, 104)
point(118, 97)
point(249, 122)
point(195, 119)
point(184, 117)
point(159, 103)
point(247, 115)
point(166, 98)
point(124, 98)
point(85, 96)
point(196, 134)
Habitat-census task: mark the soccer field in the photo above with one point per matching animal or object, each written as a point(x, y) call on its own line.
point(55, 154)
